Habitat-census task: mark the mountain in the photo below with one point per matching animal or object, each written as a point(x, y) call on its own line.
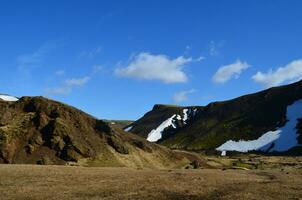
point(5, 97)
point(119, 123)
point(267, 121)
point(40, 130)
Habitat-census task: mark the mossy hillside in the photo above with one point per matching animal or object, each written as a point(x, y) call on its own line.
point(13, 134)
point(244, 118)
point(36, 130)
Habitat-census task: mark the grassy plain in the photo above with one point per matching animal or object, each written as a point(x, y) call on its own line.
point(226, 178)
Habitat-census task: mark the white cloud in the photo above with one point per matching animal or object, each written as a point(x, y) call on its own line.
point(289, 73)
point(227, 72)
point(146, 66)
point(200, 58)
point(77, 81)
point(182, 96)
point(62, 90)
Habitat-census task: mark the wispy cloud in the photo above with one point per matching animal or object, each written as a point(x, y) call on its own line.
point(67, 86)
point(289, 73)
point(147, 66)
point(182, 96)
point(200, 58)
point(228, 72)
point(91, 53)
point(61, 90)
point(214, 48)
point(34, 59)
point(77, 81)
point(96, 69)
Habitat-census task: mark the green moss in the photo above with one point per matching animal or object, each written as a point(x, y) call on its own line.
point(118, 145)
point(3, 138)
point(241, 164)
point(15, 130)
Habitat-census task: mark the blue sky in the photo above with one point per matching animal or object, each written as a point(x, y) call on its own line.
point(116, 59)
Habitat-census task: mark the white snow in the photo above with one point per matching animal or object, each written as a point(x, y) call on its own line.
point(288, 138)
point(185, 112)
point(245, 146)
point(128, 128)
point(156, 134)
point(283, 138)
point(223, 153)
point(194, 111)
point(8, 98)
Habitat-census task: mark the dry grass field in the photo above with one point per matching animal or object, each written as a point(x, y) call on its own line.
point(67, 182)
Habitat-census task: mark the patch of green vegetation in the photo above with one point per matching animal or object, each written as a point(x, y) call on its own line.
point(3, 138)
point(170, 105)
point(118, 145)
point(16, 129)
point(241, 164)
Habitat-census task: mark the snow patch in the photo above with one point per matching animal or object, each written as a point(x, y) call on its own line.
point(156, 134)
point(128, 129)
point(288, 138)
point(185, 112)
point(282, 139)
point(8, 98)
point(245, 146)
point(194, 111)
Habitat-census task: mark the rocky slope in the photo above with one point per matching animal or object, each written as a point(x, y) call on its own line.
point(275, 114)
point(39, 130)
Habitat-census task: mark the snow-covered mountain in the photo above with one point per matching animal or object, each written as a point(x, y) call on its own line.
point(267, 121)
point(282, 139)
point(5, 97)
point(175, 121)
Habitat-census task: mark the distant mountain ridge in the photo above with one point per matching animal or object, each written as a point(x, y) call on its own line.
point(245, 118)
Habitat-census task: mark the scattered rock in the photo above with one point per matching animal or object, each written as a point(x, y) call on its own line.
point(142, 145)
point(45, 161)
point(118, 145)
point(30, 148)
point(195, 164)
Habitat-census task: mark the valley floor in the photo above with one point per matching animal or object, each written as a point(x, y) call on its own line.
point(66, 182)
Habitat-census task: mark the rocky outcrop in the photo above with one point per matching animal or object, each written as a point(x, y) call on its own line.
point(37, 130)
